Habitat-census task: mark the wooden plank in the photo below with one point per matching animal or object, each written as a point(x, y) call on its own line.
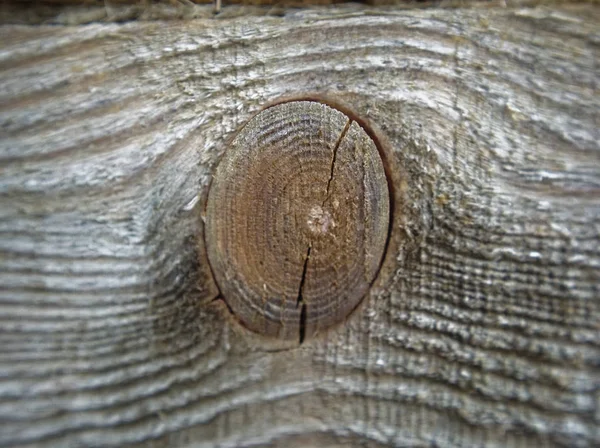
point(484, 331)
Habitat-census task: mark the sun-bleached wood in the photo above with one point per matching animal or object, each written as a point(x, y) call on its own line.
point(486, 332)
point(297, 219)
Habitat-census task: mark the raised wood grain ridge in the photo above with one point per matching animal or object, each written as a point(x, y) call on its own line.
point(488, 331)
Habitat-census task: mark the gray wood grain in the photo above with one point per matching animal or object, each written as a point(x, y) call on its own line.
point(485, 330)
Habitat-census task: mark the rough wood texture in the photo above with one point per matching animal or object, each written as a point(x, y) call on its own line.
point(486, 334)
point(78, 12)
point(297, 219)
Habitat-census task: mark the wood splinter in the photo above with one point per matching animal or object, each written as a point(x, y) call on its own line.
point(297, 219)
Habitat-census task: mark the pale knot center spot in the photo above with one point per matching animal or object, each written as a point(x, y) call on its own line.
point(319, 220)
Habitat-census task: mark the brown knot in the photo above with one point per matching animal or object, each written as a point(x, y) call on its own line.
point(297, 219)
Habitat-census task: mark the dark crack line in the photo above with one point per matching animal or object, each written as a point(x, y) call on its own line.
point(304, 269)
point(302, 324)
point(300, 299)
point(334, 157)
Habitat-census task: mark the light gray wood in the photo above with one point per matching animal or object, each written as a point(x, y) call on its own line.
point(485, 330)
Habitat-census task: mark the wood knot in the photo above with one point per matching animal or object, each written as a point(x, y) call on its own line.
point(297, 219)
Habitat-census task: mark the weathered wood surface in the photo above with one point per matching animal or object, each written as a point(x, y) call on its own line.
point(486, 333)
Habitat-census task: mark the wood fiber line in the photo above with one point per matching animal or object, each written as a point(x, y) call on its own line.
point(483, 327)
